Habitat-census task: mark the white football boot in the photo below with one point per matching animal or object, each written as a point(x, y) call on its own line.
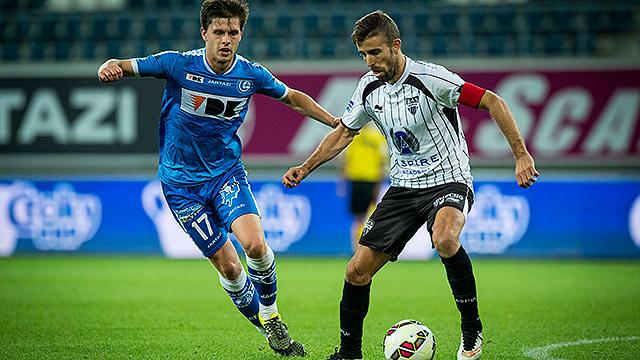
point(472, 349)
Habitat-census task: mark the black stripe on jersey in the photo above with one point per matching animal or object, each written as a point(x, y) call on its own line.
point(369, 89)
point(438, 77)
point(453, 119)
point(415, 82)
point(434, 142)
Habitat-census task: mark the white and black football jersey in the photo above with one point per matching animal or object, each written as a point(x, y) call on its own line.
point(418, 116)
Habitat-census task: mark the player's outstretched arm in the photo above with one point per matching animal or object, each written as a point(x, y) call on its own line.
point(332, 144)
point(305, 105)
point(526, 173)
point(114, 69)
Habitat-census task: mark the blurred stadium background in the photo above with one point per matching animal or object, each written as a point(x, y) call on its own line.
point(569, 70)
point(78, 158)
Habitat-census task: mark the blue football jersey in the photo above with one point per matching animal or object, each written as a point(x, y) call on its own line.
point(202, 111)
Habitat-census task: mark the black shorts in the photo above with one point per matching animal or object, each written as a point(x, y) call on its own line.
point(402, 211)
point(363, 193)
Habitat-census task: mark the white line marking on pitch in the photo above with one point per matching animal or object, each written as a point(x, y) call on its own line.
point(541, 353)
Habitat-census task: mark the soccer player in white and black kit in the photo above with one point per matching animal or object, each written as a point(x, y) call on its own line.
point(414, 104)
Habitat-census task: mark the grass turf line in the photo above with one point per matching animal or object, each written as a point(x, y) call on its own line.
point(59, 307)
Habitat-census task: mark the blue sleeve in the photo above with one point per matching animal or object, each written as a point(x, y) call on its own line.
point(270, 85)
point(157, 65)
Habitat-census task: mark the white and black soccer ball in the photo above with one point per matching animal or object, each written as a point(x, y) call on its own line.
point(409, 339)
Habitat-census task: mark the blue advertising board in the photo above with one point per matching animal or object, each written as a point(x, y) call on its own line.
point(553, 219)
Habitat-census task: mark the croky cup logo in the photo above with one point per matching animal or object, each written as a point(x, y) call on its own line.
point(60, 219)
point(405, 141)
point(496, 221)
point(285, 218)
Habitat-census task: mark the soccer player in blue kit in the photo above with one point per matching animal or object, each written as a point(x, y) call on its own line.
point(203, 179)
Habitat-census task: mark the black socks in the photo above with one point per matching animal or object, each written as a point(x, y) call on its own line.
point(463, 287)
point(353, 309)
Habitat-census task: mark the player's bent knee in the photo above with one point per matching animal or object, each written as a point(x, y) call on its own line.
point(230, 270)
point(255, 249)
point(357, 276)
point(446, 246)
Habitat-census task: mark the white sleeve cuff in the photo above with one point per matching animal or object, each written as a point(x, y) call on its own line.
point(286, 92)
point(134, 65)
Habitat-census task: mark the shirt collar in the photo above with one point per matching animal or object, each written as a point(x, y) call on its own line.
point(208, 67)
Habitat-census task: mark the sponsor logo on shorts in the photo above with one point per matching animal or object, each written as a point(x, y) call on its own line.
point(187, 214)
point(453, 198)
point(230, 191)
point(368, 226)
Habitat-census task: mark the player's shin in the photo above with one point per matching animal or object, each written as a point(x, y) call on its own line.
point(463, 287)
point(353, 309)
point(244, 297)
point(262, 272)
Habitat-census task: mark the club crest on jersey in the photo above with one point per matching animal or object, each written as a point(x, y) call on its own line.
point(412, 104)
point(195, 78)
point(230, 191)
point(245, 85)
point(405, 141)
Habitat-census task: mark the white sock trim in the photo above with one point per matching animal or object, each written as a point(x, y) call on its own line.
point(267, 311)
point(234, 285)
point(263, 263)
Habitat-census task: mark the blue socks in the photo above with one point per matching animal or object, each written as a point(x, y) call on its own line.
point(262, 273)
point(244, 296)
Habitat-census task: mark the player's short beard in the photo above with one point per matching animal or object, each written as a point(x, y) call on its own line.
point(393, 67)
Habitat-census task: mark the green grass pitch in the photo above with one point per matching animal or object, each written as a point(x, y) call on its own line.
point(72, 307)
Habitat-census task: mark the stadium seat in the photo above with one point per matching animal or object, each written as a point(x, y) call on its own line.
point(62, 50)
point(10, 51)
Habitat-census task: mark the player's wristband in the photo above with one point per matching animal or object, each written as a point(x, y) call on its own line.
point(470, 95)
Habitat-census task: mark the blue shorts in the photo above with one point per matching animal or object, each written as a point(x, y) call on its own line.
point(206, 211)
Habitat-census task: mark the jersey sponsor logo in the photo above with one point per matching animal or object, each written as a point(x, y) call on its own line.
point(212, 106)
point(405, 141)
point(285, 218)
point(245, 85)
point(378, 108)
point(219, 82)
point(496, 221)
point(195, 78)
point(60, 219)
point(634, 222)
point(412, 104)
point(423, 162)
point(230, 191)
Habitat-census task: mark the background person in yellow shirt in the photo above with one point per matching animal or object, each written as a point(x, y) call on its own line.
point(364, 169)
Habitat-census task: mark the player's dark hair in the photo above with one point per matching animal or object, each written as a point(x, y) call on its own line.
point(223, 9)
point(375, 23)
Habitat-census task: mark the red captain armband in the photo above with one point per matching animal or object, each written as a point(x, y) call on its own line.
point(470, 95)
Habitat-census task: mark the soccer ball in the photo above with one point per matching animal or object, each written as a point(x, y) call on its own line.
point(409, 339)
